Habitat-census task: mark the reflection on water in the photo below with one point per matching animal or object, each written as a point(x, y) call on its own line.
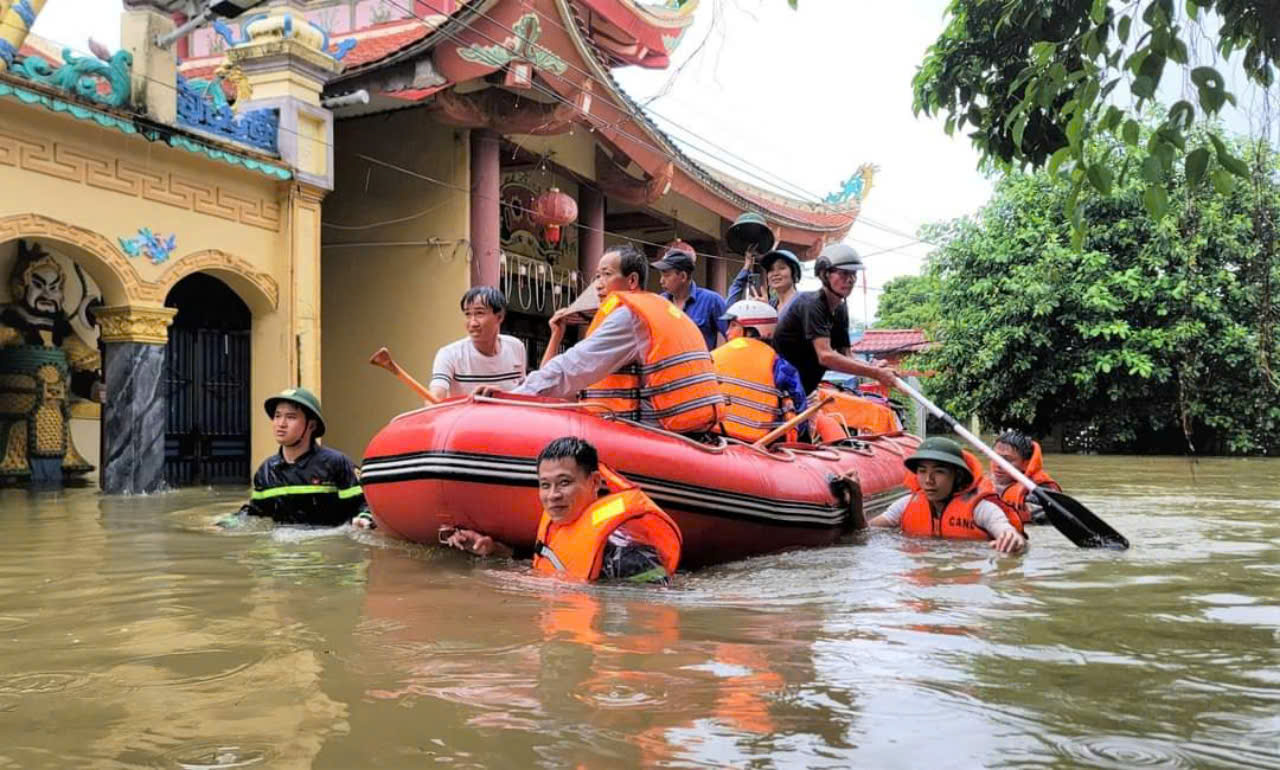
point(135, 635)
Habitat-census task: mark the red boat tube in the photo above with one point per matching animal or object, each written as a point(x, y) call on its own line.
point(469, 462)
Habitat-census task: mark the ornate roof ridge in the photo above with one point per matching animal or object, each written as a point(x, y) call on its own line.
point(754, 199)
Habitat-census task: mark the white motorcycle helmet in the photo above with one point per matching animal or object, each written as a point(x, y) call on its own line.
point(753, 314)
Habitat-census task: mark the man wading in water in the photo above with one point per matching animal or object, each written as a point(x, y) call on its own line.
point(948, 500)
point(303, 483)
point(585, 536)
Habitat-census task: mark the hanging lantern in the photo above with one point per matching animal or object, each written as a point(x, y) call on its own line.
point(553, 210)
point(680, 246)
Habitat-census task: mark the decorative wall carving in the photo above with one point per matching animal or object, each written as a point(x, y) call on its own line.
point(132, 286)
point(131, 323)
point(157, 248)
point(202, 105)
point(34, 226)
point(81, 75)
point(212, 258)
point(77, 164)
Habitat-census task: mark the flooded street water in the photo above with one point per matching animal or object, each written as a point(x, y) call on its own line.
point(133, 635)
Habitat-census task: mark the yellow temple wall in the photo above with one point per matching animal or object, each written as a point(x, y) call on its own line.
point(403, 297)
point(576, 151)
point(80, 187)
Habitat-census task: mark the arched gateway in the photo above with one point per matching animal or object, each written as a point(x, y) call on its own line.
point(207, 360)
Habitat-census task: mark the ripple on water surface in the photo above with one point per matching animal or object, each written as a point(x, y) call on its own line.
point(42, 682)
point(1123, 752)
point(220, 756)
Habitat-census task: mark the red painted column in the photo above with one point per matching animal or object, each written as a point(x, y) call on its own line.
point(718, 274)
point(486, 180)
point(590, 231)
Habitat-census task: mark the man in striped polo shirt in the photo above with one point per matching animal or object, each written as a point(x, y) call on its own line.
point(484, 356)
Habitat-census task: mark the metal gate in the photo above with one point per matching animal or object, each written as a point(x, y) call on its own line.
point(207, 430)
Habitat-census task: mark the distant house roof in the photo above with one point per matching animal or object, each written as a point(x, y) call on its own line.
point(880, 341)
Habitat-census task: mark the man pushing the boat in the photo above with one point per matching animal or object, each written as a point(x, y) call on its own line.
point(642, 357)
point(948, 500)
point(1024, 454)
point(622, 535)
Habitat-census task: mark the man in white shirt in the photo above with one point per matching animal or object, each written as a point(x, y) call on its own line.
point(485, 357)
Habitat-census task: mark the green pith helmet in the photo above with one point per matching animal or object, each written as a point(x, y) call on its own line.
point(941, 449)
point(750, 229)
point(303, 398)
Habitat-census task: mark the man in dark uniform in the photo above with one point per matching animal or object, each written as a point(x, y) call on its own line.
point(303, 483)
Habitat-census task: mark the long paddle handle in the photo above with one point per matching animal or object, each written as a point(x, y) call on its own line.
point(769, 437)
point(383, 359)
point(962, 431)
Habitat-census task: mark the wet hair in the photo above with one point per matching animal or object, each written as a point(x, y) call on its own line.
point(495, 299)
point(582, 452)
point(1020, 441)
point(631, 260)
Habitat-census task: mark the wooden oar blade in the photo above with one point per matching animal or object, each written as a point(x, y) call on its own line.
point(1079, 524)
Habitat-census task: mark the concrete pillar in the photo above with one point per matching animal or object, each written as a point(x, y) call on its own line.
point(717, 275)
point(133, 418)
point(590, 232)
point(287, 68)
point(153, 82)
point(486, 182)
point(16, 19)
point(304, 273)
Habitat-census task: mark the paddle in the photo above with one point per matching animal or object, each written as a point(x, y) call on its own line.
point(383, 359)
point(1079, 524)
point(769, 437)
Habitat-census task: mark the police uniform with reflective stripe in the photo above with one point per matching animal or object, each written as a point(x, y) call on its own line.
point(321, 488)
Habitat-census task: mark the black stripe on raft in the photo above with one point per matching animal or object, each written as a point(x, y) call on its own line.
point(521, 472)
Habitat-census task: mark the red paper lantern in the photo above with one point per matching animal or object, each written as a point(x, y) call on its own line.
point(553, 210)
point(680, 246)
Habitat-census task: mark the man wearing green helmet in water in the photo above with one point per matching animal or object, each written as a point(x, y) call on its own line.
point(303, 483)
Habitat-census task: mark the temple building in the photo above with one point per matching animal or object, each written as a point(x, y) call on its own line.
point(219, 211)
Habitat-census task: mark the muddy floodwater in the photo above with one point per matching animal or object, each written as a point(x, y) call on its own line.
point(133, 635)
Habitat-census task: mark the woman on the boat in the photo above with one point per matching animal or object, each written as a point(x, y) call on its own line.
point(948, 500)
point(583, 536)
point(782, 273)
point(1023, 454)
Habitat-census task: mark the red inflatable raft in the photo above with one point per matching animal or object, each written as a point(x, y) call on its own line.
point(470, 463)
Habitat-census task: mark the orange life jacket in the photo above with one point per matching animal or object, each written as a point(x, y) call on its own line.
point(1015, 495)
point(675, 385)
point(756, 406)
point(956, 521)
point(859, 415)
point(576, 550)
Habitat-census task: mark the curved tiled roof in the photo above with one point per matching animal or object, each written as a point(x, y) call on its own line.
point(891, 341)
point(391, 42)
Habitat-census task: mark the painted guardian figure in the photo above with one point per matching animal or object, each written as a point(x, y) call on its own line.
point(42, 362)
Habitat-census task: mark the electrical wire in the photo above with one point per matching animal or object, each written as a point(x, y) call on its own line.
point(541, 89)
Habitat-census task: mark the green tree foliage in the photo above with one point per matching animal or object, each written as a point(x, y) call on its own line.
point(909, 302)
point(1036, 83)
point(1154, 334)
